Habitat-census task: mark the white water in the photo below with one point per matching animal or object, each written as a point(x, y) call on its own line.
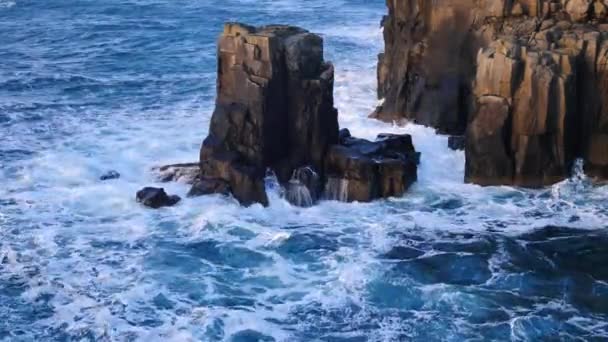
point(336, 189)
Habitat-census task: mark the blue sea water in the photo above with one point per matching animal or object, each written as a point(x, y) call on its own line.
point(92, 85)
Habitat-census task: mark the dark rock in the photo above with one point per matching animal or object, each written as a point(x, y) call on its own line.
point(110, 175)
point(361, 170)
point(156, 198)
point(457, 142)
point(343, 135)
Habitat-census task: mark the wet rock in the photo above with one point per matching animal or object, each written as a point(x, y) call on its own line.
point(538, 66)
point(156, 198)
point(362, 170)
point(112, 174)
point(209, 186)
point(457, 142)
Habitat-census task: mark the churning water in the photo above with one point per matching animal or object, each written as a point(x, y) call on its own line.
point(92, 85)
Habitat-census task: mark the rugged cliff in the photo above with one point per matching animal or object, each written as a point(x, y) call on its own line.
point(525, 80)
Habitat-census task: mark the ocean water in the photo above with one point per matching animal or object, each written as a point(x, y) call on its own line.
point(92, 85)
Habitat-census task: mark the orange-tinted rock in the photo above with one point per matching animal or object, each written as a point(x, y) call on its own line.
point(528, 77)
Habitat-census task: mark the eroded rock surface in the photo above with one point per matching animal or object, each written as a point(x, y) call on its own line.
point(156, 198)
point(525, 80)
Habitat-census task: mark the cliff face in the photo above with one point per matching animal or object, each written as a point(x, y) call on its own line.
point(525, 80)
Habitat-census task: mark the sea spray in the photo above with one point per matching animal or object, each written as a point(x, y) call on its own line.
point(336, 189)
point(302, 187)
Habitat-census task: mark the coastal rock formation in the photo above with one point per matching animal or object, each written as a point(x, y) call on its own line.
point(275, 111)
point(525, 80)
point(274, 108)
point(361, 170)
point(156, 198)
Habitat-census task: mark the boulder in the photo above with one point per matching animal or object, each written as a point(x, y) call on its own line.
point(112, 174)
point(362, 170)
point(156, 198)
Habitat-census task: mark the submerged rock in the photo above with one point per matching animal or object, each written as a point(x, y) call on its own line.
point(156, 198)
point(112, 174)
point(524, 80)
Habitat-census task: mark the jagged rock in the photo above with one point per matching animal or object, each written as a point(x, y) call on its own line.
point(274, 108)
point(156, 198)
point(112, 174)
point(365, 170)
point(528, 78)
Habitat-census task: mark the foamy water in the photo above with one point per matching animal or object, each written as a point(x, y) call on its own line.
point(88, 87)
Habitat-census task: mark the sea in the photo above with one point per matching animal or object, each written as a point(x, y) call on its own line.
point(88, 86)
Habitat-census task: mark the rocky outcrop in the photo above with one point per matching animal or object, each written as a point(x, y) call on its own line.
point(361, 170)
point(525, 80)
point(275, 111)
point(156, 198)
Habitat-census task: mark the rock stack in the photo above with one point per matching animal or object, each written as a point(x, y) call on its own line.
point(275, 111)
point(525, 80)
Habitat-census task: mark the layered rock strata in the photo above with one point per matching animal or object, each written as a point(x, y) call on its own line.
point(274, 111)
point(525, 80)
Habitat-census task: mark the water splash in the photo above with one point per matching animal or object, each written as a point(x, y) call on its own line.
point(298, 194)
point(301, 189)
point(336, 189)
